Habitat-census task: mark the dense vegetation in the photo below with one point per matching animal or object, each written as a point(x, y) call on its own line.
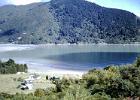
point(110, 83)
point(10, 67)
point(67, 21)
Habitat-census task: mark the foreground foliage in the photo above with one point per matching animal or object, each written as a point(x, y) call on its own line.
point(110, 83)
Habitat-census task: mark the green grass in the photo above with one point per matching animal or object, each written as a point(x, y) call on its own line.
point(10, 82)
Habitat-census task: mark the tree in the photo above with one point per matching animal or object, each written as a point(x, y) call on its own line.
point(10, 67)
point(137, 62)
point(120, 88)
point(10, 62)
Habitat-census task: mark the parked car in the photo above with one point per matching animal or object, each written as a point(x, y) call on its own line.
point(27, 84)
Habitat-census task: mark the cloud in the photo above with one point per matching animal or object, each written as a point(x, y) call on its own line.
point(22, 2)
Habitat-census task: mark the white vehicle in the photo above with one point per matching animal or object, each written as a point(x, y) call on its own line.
point(27, 84)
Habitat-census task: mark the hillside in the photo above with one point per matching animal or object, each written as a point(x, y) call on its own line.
point(67, 21)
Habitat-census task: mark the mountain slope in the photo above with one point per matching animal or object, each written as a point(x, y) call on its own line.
point(27, 24)
point(67, 21)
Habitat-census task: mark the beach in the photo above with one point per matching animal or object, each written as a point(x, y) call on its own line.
point(60, 73)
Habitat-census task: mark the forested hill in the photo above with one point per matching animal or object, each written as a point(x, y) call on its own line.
point(67, 21)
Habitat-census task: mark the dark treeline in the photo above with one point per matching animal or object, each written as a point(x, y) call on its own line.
point(110, 83)
point(10, 67)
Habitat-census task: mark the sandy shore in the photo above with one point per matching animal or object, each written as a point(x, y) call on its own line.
point(60, 72)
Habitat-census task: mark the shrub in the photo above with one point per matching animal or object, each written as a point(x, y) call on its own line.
point(39, 92)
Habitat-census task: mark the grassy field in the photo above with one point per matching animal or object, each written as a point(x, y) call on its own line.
point(9, 83)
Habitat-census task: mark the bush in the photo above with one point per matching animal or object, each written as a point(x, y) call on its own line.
point(101, 96)
point(20, 79)
point(39, 92)
point(116, 81)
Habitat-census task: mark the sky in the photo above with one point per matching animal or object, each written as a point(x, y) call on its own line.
point(129, 5)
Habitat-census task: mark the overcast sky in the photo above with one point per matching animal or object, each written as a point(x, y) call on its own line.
point(129, 5)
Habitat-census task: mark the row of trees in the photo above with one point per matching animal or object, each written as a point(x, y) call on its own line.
point(10, 67)
point(110, 83)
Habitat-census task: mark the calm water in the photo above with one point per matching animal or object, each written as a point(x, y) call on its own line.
point(70, 57)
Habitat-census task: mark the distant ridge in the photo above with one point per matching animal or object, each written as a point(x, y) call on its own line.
point(67, 21)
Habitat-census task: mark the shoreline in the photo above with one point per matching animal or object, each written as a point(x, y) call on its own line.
point(35, 68)
point(59, 72)
point(67, 44)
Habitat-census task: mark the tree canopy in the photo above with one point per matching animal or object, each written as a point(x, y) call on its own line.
point(10, 67)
